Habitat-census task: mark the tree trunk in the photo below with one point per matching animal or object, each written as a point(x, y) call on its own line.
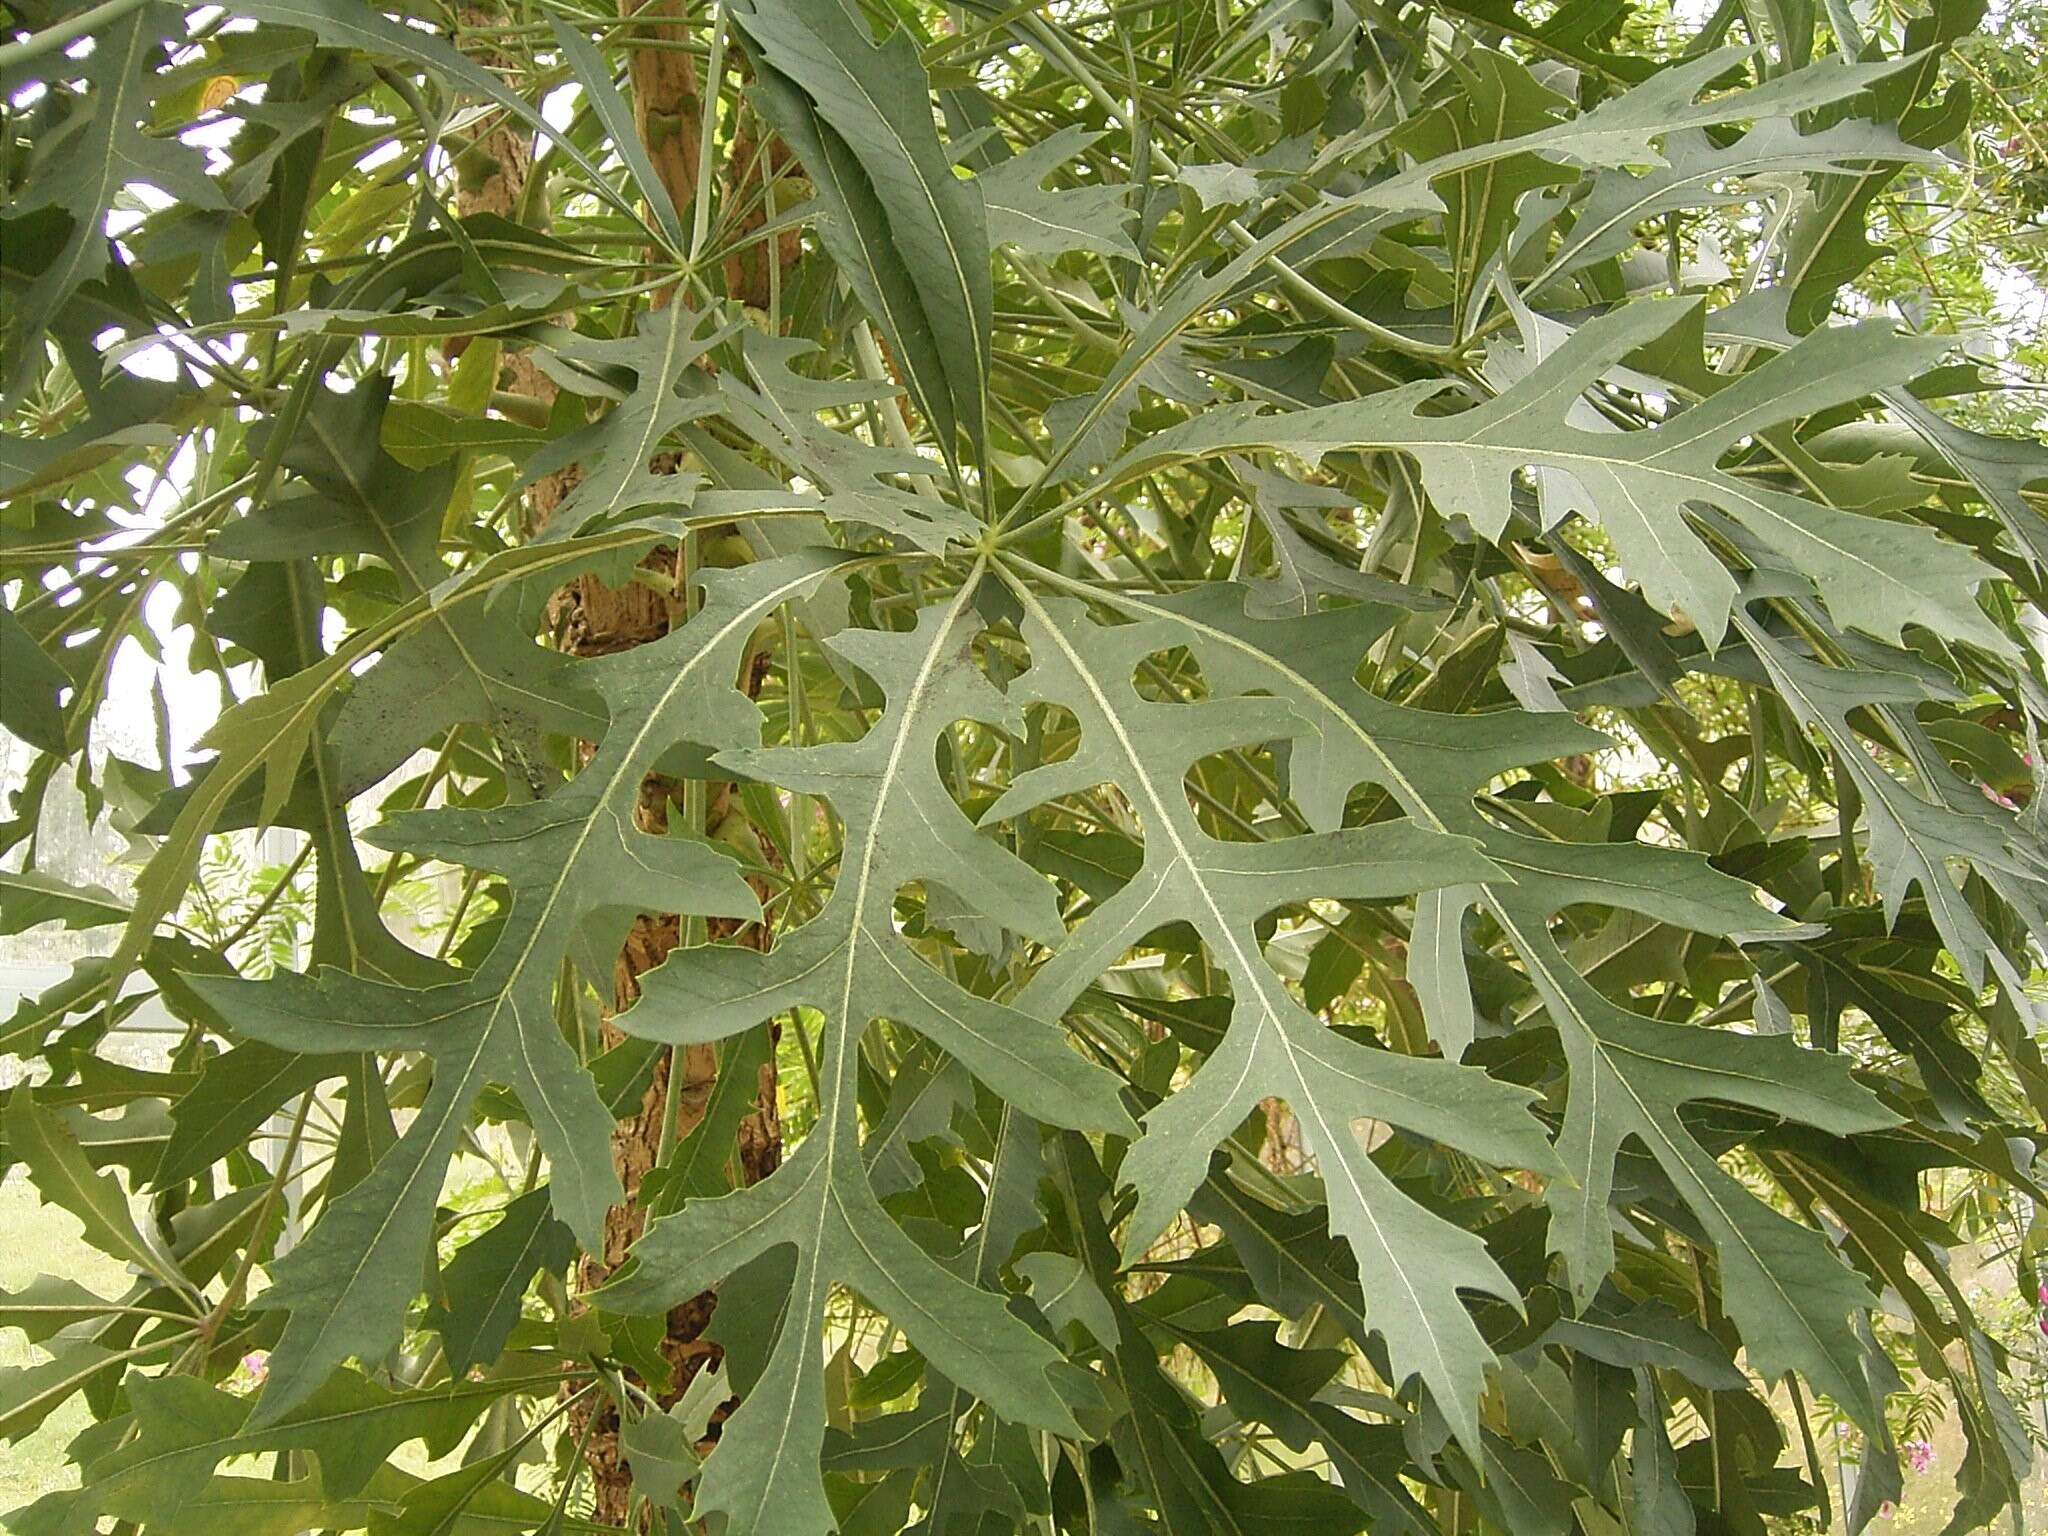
point(591, 618)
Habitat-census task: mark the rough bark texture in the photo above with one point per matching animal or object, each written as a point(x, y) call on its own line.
point(591, 618)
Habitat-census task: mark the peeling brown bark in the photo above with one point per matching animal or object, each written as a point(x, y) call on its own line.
point(666, 106)
point(591, 618)
point(1283, 1151)
point(668, 110)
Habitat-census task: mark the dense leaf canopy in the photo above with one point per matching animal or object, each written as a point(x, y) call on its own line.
point(1330, 714)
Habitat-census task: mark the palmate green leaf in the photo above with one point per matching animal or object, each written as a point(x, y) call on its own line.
point(962, 1487)
point(1877, 575)
point(265, 738)
point(614, 453)
point(2000, 468)
point(28, 899)
point(1904, 1250)
point(237, 1091)
point(1184, 1476)
point(449, 652)
point(1630, 1075)
point(1411, 1263)
point(1157, 758)
point(779, 409)
point(851, 954)
point(48, 1304)
point(1629, 127)
point(594, 75)
point(57, 1165)
point(568, 858)
point(1657, 1499)
point(911, 235)
point(281, 623)
point(1915, 836)
point(358, 25)
point(1486, 99)
point(1431, 764)
point(1023, 214)
point(615, 456)
point(31, 686)
point(182, 1429)
point(1582, 32)
point(81, 170)
point(1695, 175)
point(481, 1288)
point(851, 964)
point(1620, 130)
point(31, 1394)
point(348, 496)
point(262, 1506)
point(1826, 246)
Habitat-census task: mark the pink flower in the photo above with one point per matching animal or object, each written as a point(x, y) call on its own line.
point(2041, 1293)
point(257, 1365)
point(1919, 1455)
point(1886, 1510)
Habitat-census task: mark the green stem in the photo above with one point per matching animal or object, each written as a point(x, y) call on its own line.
point(51, 39)
point(700, 215)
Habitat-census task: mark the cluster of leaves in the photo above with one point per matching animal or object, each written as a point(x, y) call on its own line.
point(1400, 818)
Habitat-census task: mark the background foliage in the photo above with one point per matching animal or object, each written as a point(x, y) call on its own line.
point(1314, 730)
